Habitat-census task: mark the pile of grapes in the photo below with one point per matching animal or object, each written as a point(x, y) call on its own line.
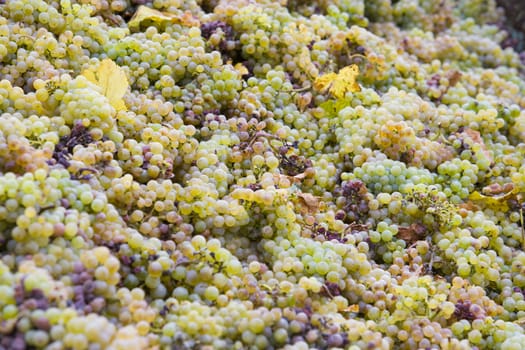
point(261, 174)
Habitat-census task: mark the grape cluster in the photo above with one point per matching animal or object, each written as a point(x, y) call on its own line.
point(225, 202)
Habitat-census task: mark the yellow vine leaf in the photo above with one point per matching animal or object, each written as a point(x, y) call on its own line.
point(323, 82)
point(352, 308)
point(333, 107)
point(339, 84)
point(145, 13)
point(113, 81)
point(498, 202)
point(241, 69)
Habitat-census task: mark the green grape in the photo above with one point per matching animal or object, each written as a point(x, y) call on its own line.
point(233, 200)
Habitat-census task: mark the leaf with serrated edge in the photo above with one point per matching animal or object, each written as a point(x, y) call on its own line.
point(345, 81)
point(339, 84)
point(498, 202)
point(146, 13)
point(323, 82)
point(113, 81)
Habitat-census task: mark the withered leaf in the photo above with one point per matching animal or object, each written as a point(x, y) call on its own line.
point(473, 137)
point(412, 233)
point(356, 227)
point(498, 202)
point(299, 177)
point(241, 69)
point(283, 181)
point(112, 79)
point(145, 13)
point(188, 20)
point(296, 179)
point(352, 308)
point(470, 206)
point(303, 100)
point(339, 84)
point(496, 189)
point(453, 77)
point(309, 204)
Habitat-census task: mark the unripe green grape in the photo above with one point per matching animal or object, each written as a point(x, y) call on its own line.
point(211, 293)
point(375, 237)
point(386, 236)
point(280, 335)
point(254, 267)
point(97, 205)
point(233, 267)
point(322, 268)
point(463, 269)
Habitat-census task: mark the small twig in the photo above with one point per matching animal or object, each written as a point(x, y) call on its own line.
point(298, 89)
point(328, 291)
point(27, 37)
point(431, 262)
point(357, 55)
point(522, 229)
point(261, 134)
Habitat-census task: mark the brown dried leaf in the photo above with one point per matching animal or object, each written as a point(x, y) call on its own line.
point(303, 100)
point(309, 204)
point(188, 20)
point(297, 179)
point(470, 206)
point(412, 233)
point(356, 227)
point(495, 189)
point(473, 137)
point(453, 77)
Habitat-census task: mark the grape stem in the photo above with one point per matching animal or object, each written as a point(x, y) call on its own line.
point(328, 291)
point(522, 229)
point(294, 92)
point(298, 89)
point(351, 57)
point(261, 134)
point(432, 251)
